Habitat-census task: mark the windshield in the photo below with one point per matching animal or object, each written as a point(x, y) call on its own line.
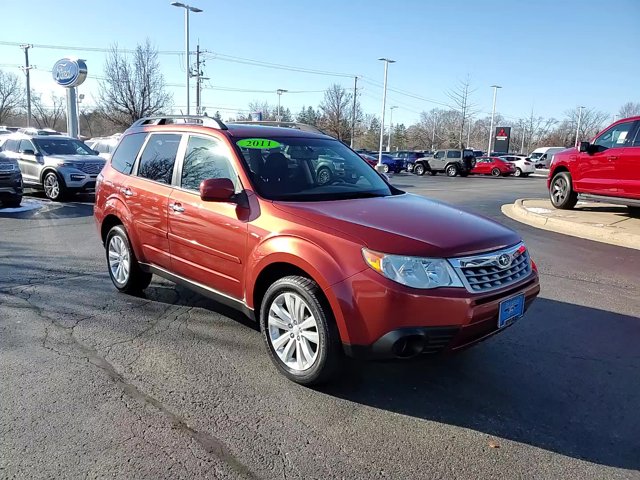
point(309, 169)
point(62, 146)
point(535, 155)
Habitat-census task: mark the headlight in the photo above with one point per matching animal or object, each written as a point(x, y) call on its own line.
point(62, 163)
point(415, 272)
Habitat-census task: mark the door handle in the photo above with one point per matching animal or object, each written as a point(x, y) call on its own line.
point(126, 191)
point(611, 158)
point(176, 207)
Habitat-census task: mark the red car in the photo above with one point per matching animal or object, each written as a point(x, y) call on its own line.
point(493, 166)
point(236, 213)
point(370, 159)
point(606, 169)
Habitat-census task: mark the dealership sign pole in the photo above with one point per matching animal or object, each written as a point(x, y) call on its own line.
point(69, 73)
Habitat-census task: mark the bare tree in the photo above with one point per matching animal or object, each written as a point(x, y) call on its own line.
point(535, 129)
point(336, 111)
point(51, 115)
point(134, 88)
point(11, 95)
point(460, 97)
point(629, 109)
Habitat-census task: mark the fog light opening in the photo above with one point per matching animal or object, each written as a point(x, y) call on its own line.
point(409, 346)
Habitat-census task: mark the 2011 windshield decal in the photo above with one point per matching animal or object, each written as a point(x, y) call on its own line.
point(257, 143)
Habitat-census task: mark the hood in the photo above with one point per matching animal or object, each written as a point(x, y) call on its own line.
point(75, 158)
point(407, 224)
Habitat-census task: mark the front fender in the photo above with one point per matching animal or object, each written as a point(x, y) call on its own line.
point(326, 268)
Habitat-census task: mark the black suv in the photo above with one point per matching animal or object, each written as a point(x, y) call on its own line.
point(10, 182)
point(451, 161)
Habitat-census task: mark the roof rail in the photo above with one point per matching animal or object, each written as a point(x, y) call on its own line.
point(274, 123)
point(203, 120)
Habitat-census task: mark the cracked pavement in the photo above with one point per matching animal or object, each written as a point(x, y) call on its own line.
point(94, 383)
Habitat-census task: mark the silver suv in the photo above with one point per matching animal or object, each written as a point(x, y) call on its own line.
point(59, 165)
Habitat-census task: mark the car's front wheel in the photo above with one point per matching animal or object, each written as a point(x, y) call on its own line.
point(54, 188)
point(419, 169)
point(561, 192)
point(124, 269)
point(299, 330)
point(13, 202)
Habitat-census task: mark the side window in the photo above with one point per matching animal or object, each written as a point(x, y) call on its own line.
point(439, 154)
point(159, 157)
point(454, 154)
point(636, 142)
point(205, 158)
point(26, 145)
point(617, 136)
point(127, 152)
point(11, 146)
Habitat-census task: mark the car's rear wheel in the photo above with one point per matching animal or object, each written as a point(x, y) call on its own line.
point(324, 176)
point(298, 327)
point(561, 192)
point(452, 171)
point(419, 169)
point(495, 172)
point(633, 210)
point(518, 172)
point(53, 187)
point(124, 269)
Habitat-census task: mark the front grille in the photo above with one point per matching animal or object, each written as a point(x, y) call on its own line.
point(91, 168)
point(491, 271)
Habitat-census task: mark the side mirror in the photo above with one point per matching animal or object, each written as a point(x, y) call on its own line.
point(217, 190)
point(95, 152)
point(28, 152)
point(585, 147)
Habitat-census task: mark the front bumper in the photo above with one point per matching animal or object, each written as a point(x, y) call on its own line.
point(378, 318)
point(11, 186)
point(78, 180)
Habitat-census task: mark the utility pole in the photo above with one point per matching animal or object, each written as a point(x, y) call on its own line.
point(26, 69)
point(353, 113)
point(198, 74)
point(524, 131)
point(280, 91)
point(433, 136)
point(469, 133)
point(390, 127)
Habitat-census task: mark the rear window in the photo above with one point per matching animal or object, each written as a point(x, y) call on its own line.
point(127, 152)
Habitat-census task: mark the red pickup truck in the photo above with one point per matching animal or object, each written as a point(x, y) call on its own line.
point(607, 169)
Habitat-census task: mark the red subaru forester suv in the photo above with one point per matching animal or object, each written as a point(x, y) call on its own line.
point(352, 265)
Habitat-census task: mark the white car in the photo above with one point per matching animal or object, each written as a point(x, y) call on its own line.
point(524, 166)
point(104, 145)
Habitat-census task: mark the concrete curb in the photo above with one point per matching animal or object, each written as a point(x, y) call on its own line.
point(604, 234)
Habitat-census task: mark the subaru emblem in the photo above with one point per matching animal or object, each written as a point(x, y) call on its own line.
point(504, 261)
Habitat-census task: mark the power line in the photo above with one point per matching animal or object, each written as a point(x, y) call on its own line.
point(85, 49)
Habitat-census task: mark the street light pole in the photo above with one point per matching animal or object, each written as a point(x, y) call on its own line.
point(579, 121)
point(187, 9)
point(390, 127)
point(493, 113)
point(386, 61)
point(353, 112)
point(280, 91)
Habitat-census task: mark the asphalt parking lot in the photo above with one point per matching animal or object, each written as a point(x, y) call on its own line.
point(96, 384)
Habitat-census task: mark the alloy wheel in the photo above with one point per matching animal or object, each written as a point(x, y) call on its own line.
point(51, 186)
point(293, 331)
point(518, 172)
point(324, 176)
point(560, 189)
point(119, 260)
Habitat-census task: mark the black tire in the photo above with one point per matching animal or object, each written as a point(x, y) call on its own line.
point(419, 169)
point(561, 191)
point(13, 202)
point(54, 187)
point(495, 172)
point(451, 170)
point(634, 210)
point(324, 176)
point(328, 350)
point(136, 280)
point(518, 172)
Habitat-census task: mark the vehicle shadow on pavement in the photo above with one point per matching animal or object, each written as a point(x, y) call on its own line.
point(79, 207)
point(564, 379)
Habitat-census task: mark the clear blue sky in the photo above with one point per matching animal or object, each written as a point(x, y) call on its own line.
point(548, 55)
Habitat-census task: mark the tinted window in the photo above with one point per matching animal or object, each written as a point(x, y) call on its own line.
point(26, 145)
point(205, 158)
point(159, 157)
point(439, 154)
point(617, 136)
point(61, 146)
point(10, 145)
point(127, 151)
point(454, 154)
